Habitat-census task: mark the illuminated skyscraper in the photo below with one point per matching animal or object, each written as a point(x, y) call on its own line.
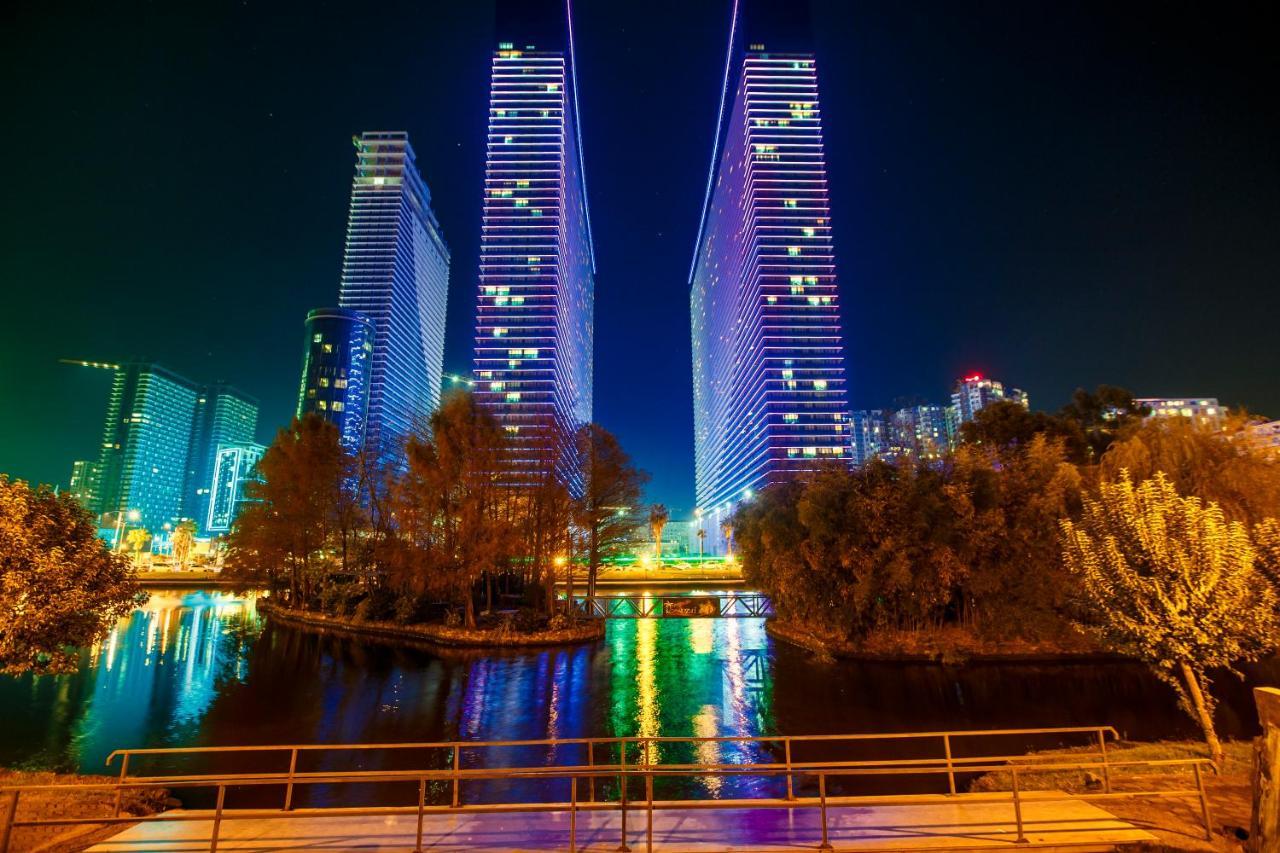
point(335, 371)
point(146, 443)
point(768, 369)
point(235, 465)
point(533, 346)
point(974, 393)
point(223, 415)
point(396, 273)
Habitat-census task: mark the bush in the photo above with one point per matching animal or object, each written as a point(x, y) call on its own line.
point(377, 606)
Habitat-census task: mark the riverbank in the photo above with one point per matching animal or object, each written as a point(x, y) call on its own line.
point(944, 645)
point(579, 631)
point(47, 805)
point(1175, 821)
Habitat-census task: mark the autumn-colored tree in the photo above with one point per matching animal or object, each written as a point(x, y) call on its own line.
point(659, 515)
point(1266, 535)
point(60, 587)
point(184, 537)
point(297, 509)
point(611, 491)
point(1221, 466)
point(457, 513)
point(1169, 581)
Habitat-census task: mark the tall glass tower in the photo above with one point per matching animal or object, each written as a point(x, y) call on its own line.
point(396, 273)
point(146, 443)
point(224, 415)
point(533, 345)
point(335, 371)
point(768, 369)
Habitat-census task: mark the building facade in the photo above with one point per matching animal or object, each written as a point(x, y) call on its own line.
point(768, 366)
point(1201, 411)
point(534, 312)
point(395, 272)
point(336, 357)
point(223, 415)
point(974, 393)
point(235, 466)
point(146, 444)
point(86, 483)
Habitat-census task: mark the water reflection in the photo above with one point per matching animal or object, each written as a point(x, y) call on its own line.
point(195, 668)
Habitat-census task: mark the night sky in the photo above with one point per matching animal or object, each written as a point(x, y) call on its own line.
point(1055, 195)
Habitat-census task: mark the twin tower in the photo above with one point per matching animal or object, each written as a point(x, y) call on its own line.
point(769, 386)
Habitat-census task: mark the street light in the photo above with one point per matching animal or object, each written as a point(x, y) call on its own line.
point(133, 515)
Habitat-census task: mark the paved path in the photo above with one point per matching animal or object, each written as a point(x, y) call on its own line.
point(947, 824)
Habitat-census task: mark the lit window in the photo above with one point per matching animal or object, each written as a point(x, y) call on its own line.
point(337, 405)
point(322, 405)
point(513, 397)
point(328, 347)
point(339, 383)
point(793, 251)
point(324, 382)
point(820, 384)
point(499, 332)
point(317, 338)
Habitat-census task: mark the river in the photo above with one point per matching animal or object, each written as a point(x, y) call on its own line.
point(192, 668)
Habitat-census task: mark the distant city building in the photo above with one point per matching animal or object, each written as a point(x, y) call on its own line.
point(86, 483)
point(974, 393)
point(1201, 411)
point(1265, 437)
point(871, 437)
point(336, 359)
point(146, 443)
point(768, 367)
point(223, 415)
point(235, 465)
point(395, 272)
point(536, 297)
point(923, 432)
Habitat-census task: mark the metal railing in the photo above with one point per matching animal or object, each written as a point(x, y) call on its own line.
point(721, 605)
point(635, 761)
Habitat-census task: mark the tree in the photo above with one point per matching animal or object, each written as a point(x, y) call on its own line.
point(659, 515)
point(726, 530)
point(1005, 425)
point(60, 587)
point(458, 513)
point(137, 540)
point(1171, 582)
point(611, 491)
point(184, 537)
point(1222, 466)
point(1101, 417)
point(1266, 535)
point(307, 477)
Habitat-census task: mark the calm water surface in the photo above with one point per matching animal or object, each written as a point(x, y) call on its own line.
point(195, 668)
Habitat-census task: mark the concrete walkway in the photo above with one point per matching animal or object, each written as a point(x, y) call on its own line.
point(947, 824)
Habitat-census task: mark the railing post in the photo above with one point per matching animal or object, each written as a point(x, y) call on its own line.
point(1204, 803)
point(822, 802)
point(573, 816)
point(1106, 762)
point(648, 792)
point(1017, 807)
point(422, 802)
point(791, 794)
point(457, 775)
point(951, 774)
point(591, 762)
point(10, 815)
point(622, 781)
point(217, 819)
point(124, 769)
point(293, 768)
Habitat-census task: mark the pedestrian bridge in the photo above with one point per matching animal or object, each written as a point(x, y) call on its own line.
point(617, 794)
point(732, 604)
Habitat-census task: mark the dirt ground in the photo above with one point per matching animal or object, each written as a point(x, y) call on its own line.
point(1177, 822)
point(33, 805)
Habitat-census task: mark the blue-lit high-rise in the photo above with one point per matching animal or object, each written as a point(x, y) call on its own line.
point(768, 367)
point(395, 272)
point(337, 351)
point(533, 345)
point(223, 415)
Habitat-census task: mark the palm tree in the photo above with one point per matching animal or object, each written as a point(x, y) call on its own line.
point(658, 517)
point(702, 534)
point(726, 527)
point(184, 536)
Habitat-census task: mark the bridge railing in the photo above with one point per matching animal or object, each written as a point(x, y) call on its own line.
point(714, 605)
point(637, 759)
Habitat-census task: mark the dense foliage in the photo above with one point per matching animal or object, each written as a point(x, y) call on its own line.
point(1169, 581)
point(446, 533)
point(60, 588)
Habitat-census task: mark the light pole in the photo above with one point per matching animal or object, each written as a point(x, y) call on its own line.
point(133, 515)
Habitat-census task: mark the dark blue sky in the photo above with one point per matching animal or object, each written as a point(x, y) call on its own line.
point(1054, 195)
